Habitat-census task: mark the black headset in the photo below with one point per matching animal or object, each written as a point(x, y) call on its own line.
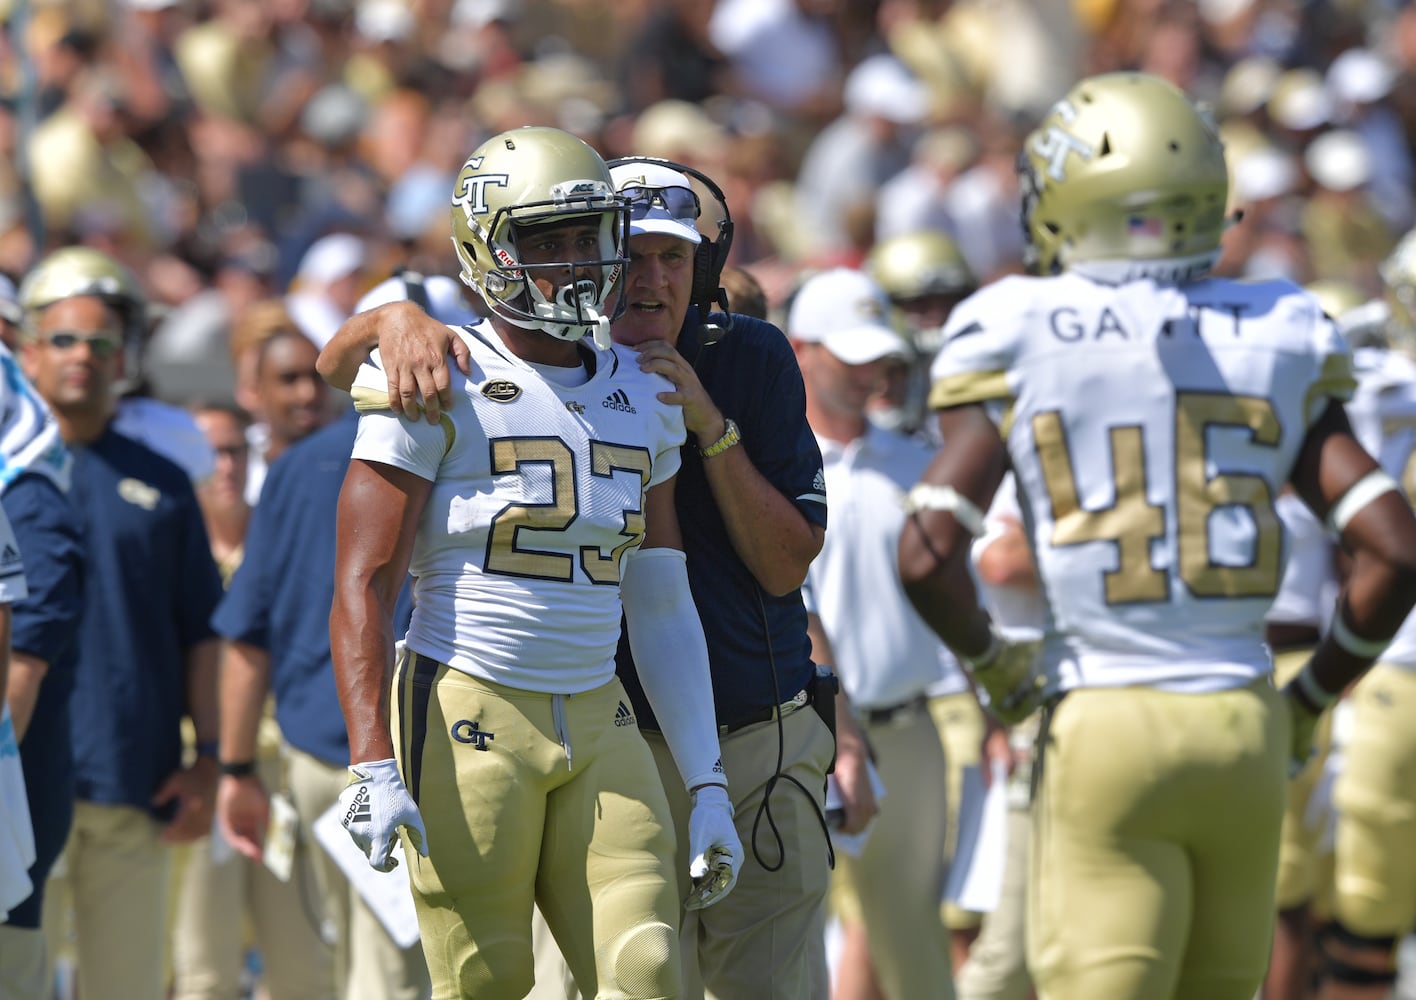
point(415, 288)
point(709, 257)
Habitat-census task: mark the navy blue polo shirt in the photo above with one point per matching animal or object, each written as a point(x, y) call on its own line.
point(46, 625)
point(280, 597)
point(150, 587)
point(752, 376)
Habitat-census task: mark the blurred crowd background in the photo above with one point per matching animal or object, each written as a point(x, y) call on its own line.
point(210, 144)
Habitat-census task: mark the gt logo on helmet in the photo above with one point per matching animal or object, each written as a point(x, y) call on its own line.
point(1054, 145)
point(471, 193)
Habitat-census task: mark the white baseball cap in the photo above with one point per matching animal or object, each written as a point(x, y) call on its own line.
point(661, 209)
point(883, 86)
point(847, 312)
point(330, 258)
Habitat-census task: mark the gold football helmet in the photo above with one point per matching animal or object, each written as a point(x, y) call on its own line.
point(925, 276)
point(1124, 171)
point(75, 271)
point(533, 176)
point(913, 265)
point(1398, 273)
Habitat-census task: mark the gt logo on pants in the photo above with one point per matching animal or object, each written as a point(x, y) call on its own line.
point(464, 731)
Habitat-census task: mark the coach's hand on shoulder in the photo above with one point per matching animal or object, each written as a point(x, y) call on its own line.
point(713, 842)
point(373, 806)
point(415, 349)
point(1006, 670)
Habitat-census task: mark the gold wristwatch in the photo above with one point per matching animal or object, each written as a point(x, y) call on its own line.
point(731, 436)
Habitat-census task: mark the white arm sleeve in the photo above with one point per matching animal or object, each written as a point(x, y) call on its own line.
point(671, 656)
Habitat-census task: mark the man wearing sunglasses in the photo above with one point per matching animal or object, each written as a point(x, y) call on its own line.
point(751, 506)
point(146, 654)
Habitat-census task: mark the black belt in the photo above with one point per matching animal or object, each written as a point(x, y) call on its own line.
point(798, 701)
point(884, 716)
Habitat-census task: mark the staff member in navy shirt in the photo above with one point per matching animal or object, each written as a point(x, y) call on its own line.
point(146, 653)
point(34, 483)
point(752, 507)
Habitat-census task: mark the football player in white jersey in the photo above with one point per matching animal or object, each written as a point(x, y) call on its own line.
point(1151, 415)
point(1374, 902)
point(502, 744)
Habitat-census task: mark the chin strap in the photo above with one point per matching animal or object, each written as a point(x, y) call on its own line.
point(581, 299)
point(600, 332)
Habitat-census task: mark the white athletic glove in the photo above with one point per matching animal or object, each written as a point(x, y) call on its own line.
point(714, 844)
point(1005, 670)
point(373, 806)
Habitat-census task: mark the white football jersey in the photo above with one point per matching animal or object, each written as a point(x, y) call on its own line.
point(537, 497)
point(1150, 427)
point(1308, 592)
point(1383, 415)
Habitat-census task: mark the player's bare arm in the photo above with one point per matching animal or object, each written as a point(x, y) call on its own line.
point(414, 347)
point(1340, 482)
point(934, 544)
point(379, 507)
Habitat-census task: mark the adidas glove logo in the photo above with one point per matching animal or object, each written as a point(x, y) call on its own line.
point(359, 810)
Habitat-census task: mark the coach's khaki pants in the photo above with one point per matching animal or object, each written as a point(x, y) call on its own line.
point(1155, 844)
point(220, 903)
point(897, 878)
point(367, 964)
point(767, 939)
point(959, 720)
point(113, 876)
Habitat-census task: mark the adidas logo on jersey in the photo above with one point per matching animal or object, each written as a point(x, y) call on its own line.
point(623, 716)
point(619, 400)
point(9, 556)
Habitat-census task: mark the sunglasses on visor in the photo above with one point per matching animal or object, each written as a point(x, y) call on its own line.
point(103, 345)
point(679, 202)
